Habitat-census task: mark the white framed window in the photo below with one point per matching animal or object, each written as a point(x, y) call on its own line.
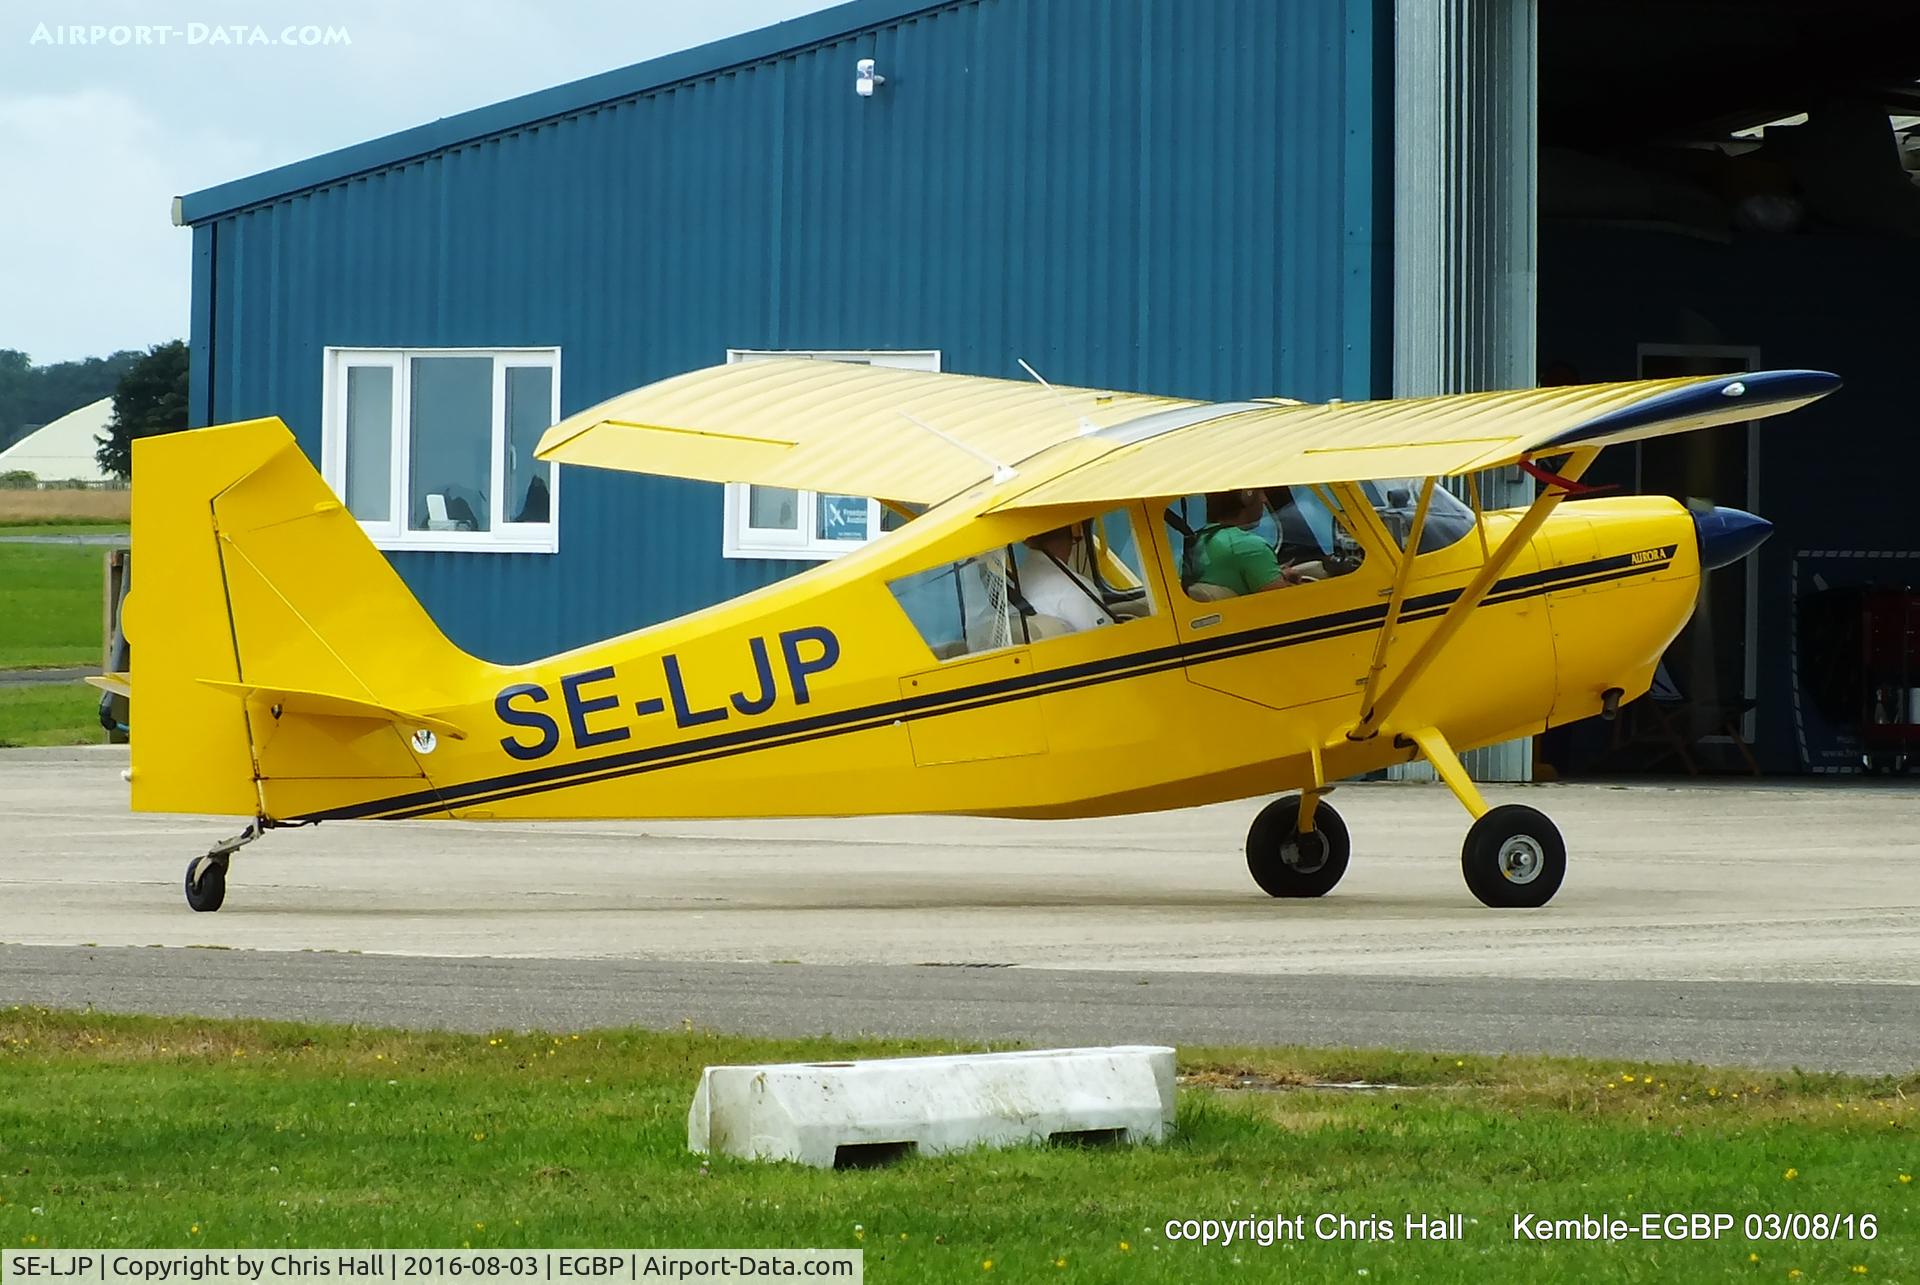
point(777, 522)
point(432, 448)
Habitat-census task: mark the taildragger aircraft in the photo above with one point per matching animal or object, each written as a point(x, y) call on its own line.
point(1049, 631)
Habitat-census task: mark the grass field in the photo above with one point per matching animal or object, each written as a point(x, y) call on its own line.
point(161, 1133)
point(49, 714)
point(50, 599)
point(18, 507)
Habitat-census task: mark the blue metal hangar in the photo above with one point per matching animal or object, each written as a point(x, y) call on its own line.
point(1209, 198)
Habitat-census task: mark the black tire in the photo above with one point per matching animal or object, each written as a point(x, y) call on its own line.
point(209, 890)
point(1514, 857)
point(1286, 863)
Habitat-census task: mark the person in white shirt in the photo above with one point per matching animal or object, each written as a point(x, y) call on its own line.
point(1052, 588)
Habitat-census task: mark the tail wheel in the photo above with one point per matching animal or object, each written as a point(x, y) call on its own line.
point(1514, 857)
point(206, 883)
point(1287, 863)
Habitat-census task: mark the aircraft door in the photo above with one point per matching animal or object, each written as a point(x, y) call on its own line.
point(1286, 645)
point(1303, 637)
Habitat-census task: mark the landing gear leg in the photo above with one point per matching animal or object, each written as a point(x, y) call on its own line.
point(1514, 855)
point(207, 875)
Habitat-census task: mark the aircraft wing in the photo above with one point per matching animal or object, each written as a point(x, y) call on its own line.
point(1266, 445)
point(834, 426)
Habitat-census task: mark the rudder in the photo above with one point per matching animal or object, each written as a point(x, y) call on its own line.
point(257, 582)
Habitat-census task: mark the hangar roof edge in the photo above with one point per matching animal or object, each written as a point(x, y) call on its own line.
point(515, 113)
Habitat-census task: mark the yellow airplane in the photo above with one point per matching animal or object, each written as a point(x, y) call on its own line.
point(1056, 628)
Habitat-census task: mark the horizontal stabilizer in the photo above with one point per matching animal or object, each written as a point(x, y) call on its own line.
point(118, 684)
point(292, 700)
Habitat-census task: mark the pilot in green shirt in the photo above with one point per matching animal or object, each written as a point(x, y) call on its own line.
point(1237, 560)
point(1232, 556)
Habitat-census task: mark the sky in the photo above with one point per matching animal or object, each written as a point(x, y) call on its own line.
point(101, 127)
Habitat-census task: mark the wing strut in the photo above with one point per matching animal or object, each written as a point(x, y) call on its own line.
point(1401, 579)
point(1371, 717)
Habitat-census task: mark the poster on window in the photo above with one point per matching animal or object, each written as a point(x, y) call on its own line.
point(843, 517)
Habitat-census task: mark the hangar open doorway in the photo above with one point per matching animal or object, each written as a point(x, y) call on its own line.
point(1728, 186)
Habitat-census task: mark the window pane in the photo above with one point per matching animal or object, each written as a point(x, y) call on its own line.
point(370, 443)
point(773, 508)
point(962, 607)
point(529, 414)
point(1082, 576)
point(841, 517)
point(450, 436)
point(1297, 540)
point(1449, 519)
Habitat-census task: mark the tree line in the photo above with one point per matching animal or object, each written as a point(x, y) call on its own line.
point(32, 395)
point(149, 396)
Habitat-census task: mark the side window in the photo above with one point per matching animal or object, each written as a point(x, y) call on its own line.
point(962, 607)
point(1086, 575)
point(1083, 576)
point(433, 448)
point(1236, 543)
point(1449, 519)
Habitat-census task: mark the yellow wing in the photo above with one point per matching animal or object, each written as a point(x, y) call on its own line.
point(921, 438)
point(832, 426)
point(1414, 437)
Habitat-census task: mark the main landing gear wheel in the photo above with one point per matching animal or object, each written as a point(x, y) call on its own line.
point(207, 882)
point(1514, 856)
point(1287, 863)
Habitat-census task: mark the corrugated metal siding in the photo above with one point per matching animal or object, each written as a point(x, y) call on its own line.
point(1177, 197)
point(1464, 219)
point(1464, 230)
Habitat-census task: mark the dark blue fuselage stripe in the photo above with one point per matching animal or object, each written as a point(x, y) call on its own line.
point(910, 709)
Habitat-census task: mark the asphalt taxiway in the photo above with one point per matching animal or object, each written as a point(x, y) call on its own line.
point(1739, 923)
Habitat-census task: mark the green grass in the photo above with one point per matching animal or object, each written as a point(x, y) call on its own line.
point(49, 714)
point(50, 599)
point(156, 1133)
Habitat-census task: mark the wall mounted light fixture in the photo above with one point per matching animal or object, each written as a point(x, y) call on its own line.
point(865, 78)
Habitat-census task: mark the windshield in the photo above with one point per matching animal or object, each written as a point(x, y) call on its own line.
point(1395, 499)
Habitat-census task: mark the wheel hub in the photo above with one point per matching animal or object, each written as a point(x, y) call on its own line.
point(1305, 853)
point(1521, 859)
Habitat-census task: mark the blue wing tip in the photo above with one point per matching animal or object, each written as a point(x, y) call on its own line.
point(1784, 384)
point(1758, 387)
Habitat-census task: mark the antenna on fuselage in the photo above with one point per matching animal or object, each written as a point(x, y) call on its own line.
point(1001, 472)
point(1086, 425)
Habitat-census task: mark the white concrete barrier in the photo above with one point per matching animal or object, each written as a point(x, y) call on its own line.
point(853, 1113)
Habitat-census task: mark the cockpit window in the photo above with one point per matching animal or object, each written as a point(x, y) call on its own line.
point(1449, 519)
point(962, 607)
point(1082, 576)
point(1235, 543)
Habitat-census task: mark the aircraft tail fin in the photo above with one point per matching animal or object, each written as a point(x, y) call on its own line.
point(276, 655)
